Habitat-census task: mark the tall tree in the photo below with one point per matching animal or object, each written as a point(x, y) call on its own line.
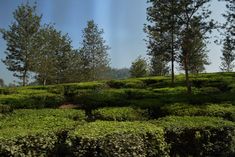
point(55, 57)
point(162, 34)
point(94, 53)
point(230, 22)
point(1, 82)
point(139, 68)
point(228, 57)
point(159, 66)
point(192, 12)
point(198, 57)
point(21, 41)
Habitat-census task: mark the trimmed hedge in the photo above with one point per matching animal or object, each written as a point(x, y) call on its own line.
point(55, 133)
point(226, 111)
point(118, 139)
point(199, 136)
point(37, 132)
point(28, 101)
point(4, 109)
point(120, 114)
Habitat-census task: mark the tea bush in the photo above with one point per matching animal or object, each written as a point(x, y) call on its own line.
point(32, 100)
point(118, 139)
point(4, 109)
point(226, 111)
point(37, 132)
point(120, 114)
point(199, 136)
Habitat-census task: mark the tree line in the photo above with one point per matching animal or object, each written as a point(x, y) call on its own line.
point(177, 32)
point(40, 50)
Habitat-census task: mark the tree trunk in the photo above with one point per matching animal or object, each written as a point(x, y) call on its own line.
point(172, 44)
point(24, 78)
point(172, 60)
point(188, 84)
point(44, 82)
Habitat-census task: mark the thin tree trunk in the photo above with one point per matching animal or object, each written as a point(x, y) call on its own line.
point(172, 45)
point(188, 84)
point(44, 82)
point(24, 78)
point(172, 59)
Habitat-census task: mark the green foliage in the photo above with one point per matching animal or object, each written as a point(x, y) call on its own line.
point(4, 109)
point(25, 122)
point(21, 38)
point(119, 139)
point(199, 136)
point(36, 132)
point(32, 100)
point(120, 114)
point(227, 64)
point(7, 91)
point(139, 68)
point(226, 111)
point(53, 62)
point(93, 53)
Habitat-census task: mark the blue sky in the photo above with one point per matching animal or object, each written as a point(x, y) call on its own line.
point(122, 21)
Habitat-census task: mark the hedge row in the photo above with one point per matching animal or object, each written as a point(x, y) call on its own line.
point(121, 114)
point(118, 139)
point(141, 92)
point(44, 100)
point(199, 136)
point(58, 133)
point(226, 111)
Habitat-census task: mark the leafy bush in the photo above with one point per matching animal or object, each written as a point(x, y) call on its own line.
point(32, 145)
point(199, 136)
point(118, 139)
point(115, 84)
point(37, 132)
point(32, 100)
point(120, 114)
point(7, 91)
point(129, 83)
point(226, 111)
point(5, 109)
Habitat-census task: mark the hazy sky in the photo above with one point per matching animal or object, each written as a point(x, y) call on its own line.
point(122, 21)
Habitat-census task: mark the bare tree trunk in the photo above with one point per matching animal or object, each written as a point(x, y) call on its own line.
point(172, 60)
point(24, 78)
point(188, 84)
point(44, 82)
point(172, 45)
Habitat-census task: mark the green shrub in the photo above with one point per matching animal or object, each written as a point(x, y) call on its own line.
point(225, 111)
point(37, 132)
point(32, 100)
point(199, 136)
point(7, 91)
point(118, 139)
point(4, 109)
point(139, 93)
point(209, 90)
point(32, 145)
point(115, 84)
point(120, 114)
point(56, 89)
